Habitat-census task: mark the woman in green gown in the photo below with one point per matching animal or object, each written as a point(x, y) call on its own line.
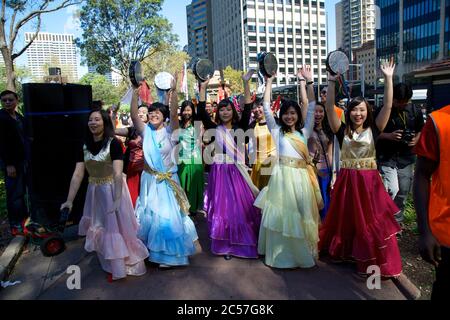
point(190, 165)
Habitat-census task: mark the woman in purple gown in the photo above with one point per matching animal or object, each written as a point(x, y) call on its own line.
point(232, 219)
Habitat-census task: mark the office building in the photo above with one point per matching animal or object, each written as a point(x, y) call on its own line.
point(294, 30)
point(355, 24)
point(52, 50)
point(415, 32)
point(197, 14)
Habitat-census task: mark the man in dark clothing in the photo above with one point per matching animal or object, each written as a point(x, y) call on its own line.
point(395, 145)
point(12, 155)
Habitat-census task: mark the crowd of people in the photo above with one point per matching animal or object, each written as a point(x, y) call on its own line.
point(287, 180)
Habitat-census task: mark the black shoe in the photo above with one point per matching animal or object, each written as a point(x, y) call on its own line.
point(228, 257)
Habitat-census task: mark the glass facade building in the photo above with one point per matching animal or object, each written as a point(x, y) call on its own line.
point(388, 38)
point(421, 29)
point(416, 32)
point(197, 19)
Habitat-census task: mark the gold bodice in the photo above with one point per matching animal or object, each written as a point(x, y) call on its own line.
point(359, 152)
point(100, 166)
point(265, 145)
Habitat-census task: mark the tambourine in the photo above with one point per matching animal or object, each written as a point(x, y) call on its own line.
point(268, 64)
point(135, 73)
point(337, 63)
point(203, 69)
point(163, 81)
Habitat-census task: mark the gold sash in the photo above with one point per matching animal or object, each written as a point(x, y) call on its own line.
point(180, 195)
point(302, 150)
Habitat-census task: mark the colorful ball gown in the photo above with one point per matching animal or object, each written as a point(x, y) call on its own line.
point(190, 167)
point(113, 236)
point(162, 208)
point(265, 152)
point(360, 224)
point(290, 204)
point(233, 221)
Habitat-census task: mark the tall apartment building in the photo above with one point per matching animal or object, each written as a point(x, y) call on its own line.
point(52, 50)
point(355, 24)
point(366, 56)
point(294, 30)
point(415, 32)
point(198, 16)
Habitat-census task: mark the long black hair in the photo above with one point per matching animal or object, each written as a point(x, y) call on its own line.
point(108, 130)
point(184, 105)
point(352, 105)
point(325, 125)
point(285, 105)
point(223, 104)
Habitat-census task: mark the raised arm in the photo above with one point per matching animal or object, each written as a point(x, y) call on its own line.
point(388, 69)
point(246, 78)
point(246, 114)
point(333, 119)
point(310, 103)
point(75, 184)
point(428, 245)
point(173, 104)
point(271, 123)
point(138, 124)
point(303, 98)
point(201, 111)
point(122, 132)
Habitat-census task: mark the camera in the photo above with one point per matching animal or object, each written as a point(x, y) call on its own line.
point(408, 136)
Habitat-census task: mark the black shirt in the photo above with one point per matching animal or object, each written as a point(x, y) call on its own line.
point(12, 139)
point(397, 154)
point(116, 150)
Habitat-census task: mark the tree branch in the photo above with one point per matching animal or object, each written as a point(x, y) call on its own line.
point(13, 19)
point(34, 14)
point(3, 11)
point(16, 55)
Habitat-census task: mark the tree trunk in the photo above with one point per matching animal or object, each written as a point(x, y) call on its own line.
point(9, 69)
point(10, 76)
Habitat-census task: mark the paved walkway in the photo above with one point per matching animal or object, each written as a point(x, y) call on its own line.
point(207, 278)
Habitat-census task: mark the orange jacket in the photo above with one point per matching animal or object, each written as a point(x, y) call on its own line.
point(439, 207)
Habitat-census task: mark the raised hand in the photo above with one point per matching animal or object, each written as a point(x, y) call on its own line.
point(247, 76)
point(174, 82)
point(388, 68)
point(332, 77)
point(306, 72)
point(205, 83)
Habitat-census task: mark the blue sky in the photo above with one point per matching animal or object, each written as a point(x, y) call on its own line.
point(174, 10)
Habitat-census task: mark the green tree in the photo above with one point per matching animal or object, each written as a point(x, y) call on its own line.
point(102, 89)
point(168, 60)
point(234, 78)
point(115, 32)
point(21, 74)
point(15, 14)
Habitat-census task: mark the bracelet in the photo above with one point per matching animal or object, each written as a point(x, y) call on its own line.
point(310, 83)
point(329, 80)
point(301, 79)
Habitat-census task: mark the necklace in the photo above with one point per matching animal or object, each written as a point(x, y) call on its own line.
point(402, 116)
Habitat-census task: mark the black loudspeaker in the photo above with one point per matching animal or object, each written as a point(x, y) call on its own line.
point(56, 119)
point(54, 71)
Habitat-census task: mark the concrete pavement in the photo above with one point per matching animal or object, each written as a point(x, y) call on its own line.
point(207, 278)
